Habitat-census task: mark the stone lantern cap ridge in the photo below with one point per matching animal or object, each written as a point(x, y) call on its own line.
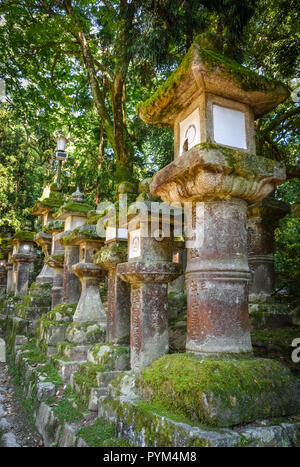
point(55, 260)
point(270, 208)
point(74, 208)
point(54, 226)
point(211, 171)
point(88, 269)
point(23, 235)
point(160, 272)
point(84, 233)
point(205, 70)
point(41, 238)
point(111, 255)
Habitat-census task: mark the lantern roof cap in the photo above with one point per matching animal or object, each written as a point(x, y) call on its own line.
point(206, 70)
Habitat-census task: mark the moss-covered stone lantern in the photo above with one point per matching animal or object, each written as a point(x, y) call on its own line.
point(148, 270)
point(56, 260)
point(23, 256)
point(211, 102)
point(263, 219)
point(113, 253)
point(44, 208)
point(74, 213)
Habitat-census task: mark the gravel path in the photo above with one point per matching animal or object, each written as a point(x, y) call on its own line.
point(14, 430)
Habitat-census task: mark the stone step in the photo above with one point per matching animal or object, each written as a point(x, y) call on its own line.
point(66, 369)
point(105, 377)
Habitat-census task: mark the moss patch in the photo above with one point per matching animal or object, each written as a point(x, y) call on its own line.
point(219, 392)
point(24, 235)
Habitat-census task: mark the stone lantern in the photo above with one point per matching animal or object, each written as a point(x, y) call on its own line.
point(6, 265)
point(263, 219)
point(50, 200)
point(56, 260)
point(74, 213)
point(23, 256)
point(113, 253)
point(148, 270)
point(211, 102)
point(3, 278)
point(9, 268)
point(90, 308)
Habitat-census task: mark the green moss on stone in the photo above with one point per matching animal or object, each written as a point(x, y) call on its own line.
point(24, 235)
point(218, 392)
point(246, 78)
point(71, 206)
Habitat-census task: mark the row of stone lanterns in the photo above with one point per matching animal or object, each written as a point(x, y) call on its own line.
point(215, 168)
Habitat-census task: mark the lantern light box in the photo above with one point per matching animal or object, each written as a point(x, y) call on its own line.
point(206, 101)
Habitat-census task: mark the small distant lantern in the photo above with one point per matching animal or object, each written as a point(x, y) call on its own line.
point(61, 141)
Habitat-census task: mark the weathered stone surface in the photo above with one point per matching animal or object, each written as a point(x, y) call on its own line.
point(45, 390)
point(66, 369)
point(21, 340)
point(143, 426)
point(8, 440)
point(212, 172)
point(47, 424)
point(270, 315)
point(273, 436)
point(112, 357)
point(4, 425)
point(217, 272)
point(2, 351)
point(89, 308)
point(118, 310)
point(3, 413)
point(85, 333)
point(68, 436)
point(94, 398)
point(73, 352)
point(221, 392)
point(206, 71)
point(263, 218)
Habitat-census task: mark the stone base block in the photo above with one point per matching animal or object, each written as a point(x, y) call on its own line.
point(105, 377)
point(221, 392)
point(53, 333)
point(270, 315)
point(2, 351)
point(144, 425)
point(73, 352)
point(110, 356)
point(85, 333)
point(66, 369)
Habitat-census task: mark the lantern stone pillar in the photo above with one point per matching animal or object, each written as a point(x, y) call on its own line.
point(3, 279)
point(74, 213)
point(44, 208)
point(118, 307)
point(5, 261)
point(9, 268)
point(89, 308)
point(216, 170)
point(148, 270)
point(23, 256)
point(263, 219)
point(56, 260)
point(44, 241)
point(179, 256)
